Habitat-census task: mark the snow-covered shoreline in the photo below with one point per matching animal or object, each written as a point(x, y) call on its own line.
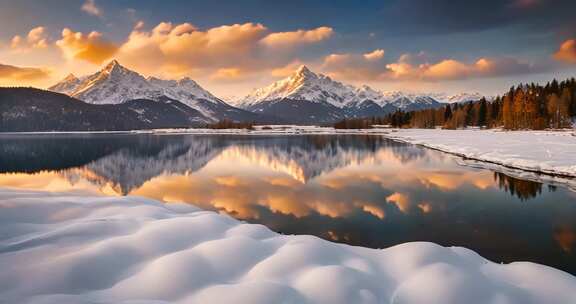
point(71, 248)
point(549, 152)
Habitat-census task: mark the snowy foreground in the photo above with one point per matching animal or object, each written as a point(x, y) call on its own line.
point(62, 248)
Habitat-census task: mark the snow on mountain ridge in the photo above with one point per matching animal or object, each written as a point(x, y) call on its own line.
point(304, 84)
point(67, 85)
point(116, 84)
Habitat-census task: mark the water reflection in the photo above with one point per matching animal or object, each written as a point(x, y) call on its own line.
point(362, 190)
point(523, 189)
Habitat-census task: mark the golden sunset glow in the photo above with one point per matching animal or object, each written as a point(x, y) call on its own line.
point(232, 56)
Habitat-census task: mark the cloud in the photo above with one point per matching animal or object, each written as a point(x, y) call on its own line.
point(368, 66)
point(36, 39)
point(567, 51)
point(295, 38)
point(88, 47)
point(9, 72)
point(227, 74)
point(91, 8)
point(227, 52)
point(373, 66)
point(451, 69)
point(286, 70)
point(374, 55)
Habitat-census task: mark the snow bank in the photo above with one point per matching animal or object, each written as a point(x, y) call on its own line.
point(551, 152)
point(60, 248)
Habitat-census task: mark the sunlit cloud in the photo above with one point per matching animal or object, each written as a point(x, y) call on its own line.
point(374, 55)
point(227, 74)
point(295, 38)
point(349, 66)
point(91, 8)
point(373, 66)
point(91, 47)
point(286, 70)
point(35, 39)
point(22, 74)
point(567, 51)
point(226, 53)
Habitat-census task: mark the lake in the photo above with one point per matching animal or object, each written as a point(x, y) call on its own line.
point(355, 189)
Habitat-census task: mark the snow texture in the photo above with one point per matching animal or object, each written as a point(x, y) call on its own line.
point(71, 248)
point(539, 151)
point(116, 84)
point(307, 85)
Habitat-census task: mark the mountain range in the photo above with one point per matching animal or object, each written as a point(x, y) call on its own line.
point(307, 97)
point(117, 98)
point(116, 84)
point(35, 110)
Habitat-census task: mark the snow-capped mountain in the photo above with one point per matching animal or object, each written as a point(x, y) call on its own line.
point(32, 110)
point(67, 86)
point(459, 98)
point(296, 96)
point(115, 84)
point(303, 85)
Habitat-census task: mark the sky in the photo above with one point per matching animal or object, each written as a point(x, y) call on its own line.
point(233, 47)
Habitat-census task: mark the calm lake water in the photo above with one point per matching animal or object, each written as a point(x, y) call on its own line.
point(360, 190)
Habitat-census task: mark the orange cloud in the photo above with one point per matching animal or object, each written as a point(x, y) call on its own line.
point(9, 72)
point(446, 69)
point(367, 66)
point(374, 66)
point(36, 39)
point(91, 47)
point(227, 74)
point(227, 52)
point(567, 51)
point(286, 70)
point(289, 39)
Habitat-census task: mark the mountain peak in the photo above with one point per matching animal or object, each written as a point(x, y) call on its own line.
point(114, 66)
point(113, 63)
point(303, 69)
point(66, 85)
point(70, 77)
point(303, 72)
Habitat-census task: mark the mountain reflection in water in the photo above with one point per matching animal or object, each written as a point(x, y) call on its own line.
point(361, 190)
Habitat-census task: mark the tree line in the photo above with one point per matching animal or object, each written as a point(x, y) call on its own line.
point(527, 106)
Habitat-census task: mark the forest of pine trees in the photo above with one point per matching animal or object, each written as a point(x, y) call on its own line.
point(531, 106)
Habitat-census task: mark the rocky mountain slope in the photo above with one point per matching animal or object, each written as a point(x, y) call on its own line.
point(29, 110)
point(306, 97)
point(115, 84)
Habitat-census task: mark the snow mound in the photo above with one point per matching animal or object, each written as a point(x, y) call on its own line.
point(61, 248)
